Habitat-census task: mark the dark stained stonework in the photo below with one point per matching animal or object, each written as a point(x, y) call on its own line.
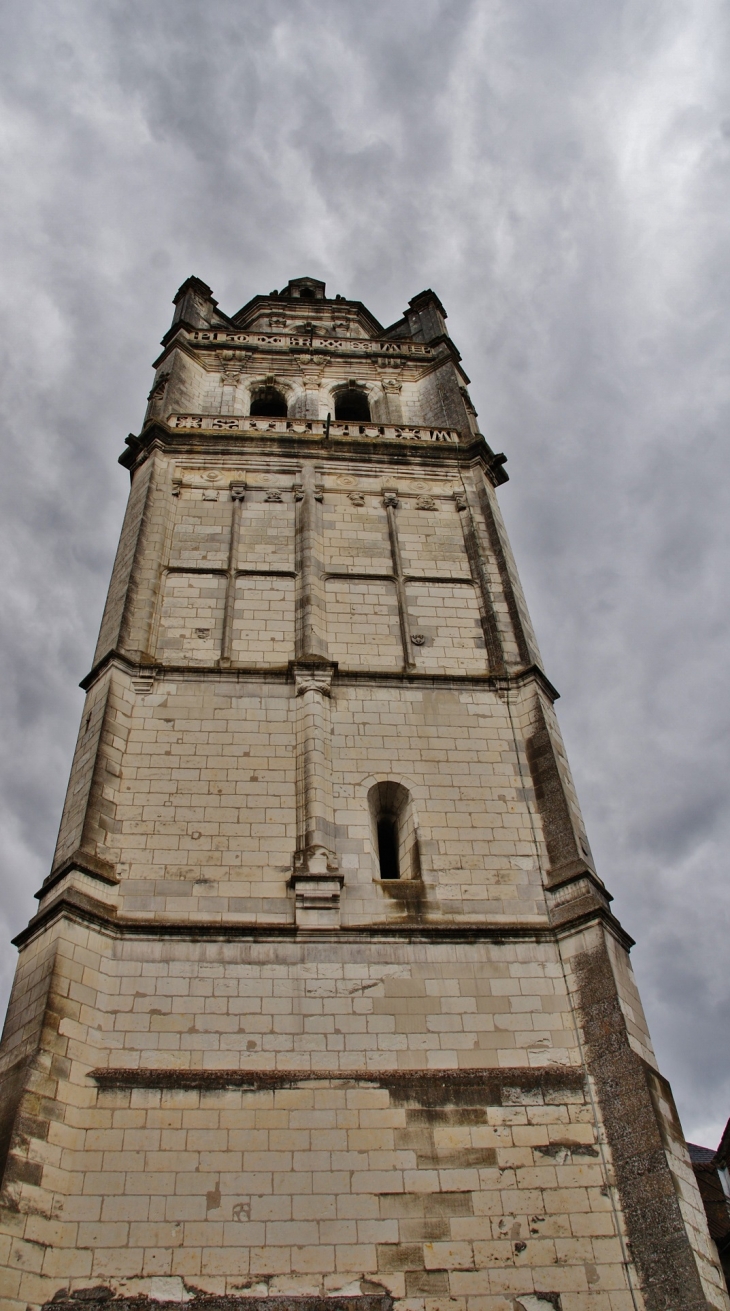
point(656, 1232)
point(103, 1299)
point(429, 1087)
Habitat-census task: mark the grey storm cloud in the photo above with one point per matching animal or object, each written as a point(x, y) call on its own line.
point(558, 173)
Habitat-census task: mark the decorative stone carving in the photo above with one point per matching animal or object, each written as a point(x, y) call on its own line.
point(425, 503)
point(298, 490)
point(418, 639)
point(303, 427)
point(313, 680)
point(158, 388)
point(238, 491)
point(317, 885)
point(460, 501)
point(273, 495)
point(357, 498)
point(316, 860)
point(390, 500)
point(210, 495)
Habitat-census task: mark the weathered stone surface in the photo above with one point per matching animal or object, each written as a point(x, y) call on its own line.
point(245, 1066)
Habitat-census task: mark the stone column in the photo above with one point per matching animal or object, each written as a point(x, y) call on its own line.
point(392, 391)
point(238, 492)
point(310, 608)
point(390, 501)
point(316, 879)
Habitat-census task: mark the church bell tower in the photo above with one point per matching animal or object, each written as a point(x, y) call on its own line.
point(324, 1007)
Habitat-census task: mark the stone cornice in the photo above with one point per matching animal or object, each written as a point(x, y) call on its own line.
point(311, 437)
point(73, 905)
point(230, 339)
point(283, 673)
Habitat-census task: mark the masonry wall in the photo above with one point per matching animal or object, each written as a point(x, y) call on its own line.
point(485, 1187)
point(239, 1063)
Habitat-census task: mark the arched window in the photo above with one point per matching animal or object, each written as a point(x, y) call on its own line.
point(351, 405)
point(268, 402)
point(388, 847)
point(306, 293)
point(394, 832)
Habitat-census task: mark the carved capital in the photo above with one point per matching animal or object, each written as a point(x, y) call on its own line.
point(315, 861)
point(238, 491)
point(313, 680)
point(460, 501)
point(390, 500)
point(299, 489)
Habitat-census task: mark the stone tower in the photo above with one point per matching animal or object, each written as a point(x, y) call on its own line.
point(324, 1005)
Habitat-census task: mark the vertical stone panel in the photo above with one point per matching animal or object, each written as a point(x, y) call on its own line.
point(191, 623)
point(362, 624)
point(447, 618)
point(263, 621)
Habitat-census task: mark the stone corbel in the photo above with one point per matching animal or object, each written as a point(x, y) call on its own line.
point(317, 884)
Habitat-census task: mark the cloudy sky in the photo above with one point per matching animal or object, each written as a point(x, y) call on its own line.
point(557, 170)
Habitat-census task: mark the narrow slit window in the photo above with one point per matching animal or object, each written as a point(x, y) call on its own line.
point(388, 848)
